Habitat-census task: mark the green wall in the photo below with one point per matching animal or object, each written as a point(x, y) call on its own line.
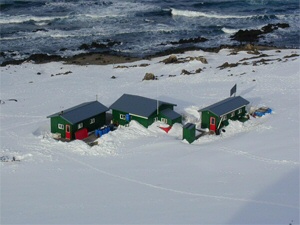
point(143, 121)
point(205, 118)
point(100, 120)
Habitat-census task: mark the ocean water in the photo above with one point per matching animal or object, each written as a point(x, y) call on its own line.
point(137, 27)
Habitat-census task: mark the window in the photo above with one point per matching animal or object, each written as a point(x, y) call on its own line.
point(155, 119)
point(80, 125)
point(224, 117)
point(92, 121)
point(122, 117)
point(164, 120)
point(60, 126)
point(232, 114)
point(240, 111)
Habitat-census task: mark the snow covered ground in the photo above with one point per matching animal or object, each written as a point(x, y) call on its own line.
point(247, 175)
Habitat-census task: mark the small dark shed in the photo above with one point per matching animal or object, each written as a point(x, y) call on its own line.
point(189, 132)
point(217, 115)
point(143, 110)
point(77, 121)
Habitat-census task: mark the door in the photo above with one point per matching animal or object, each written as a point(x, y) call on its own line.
point(212, 124)
point(68, 132)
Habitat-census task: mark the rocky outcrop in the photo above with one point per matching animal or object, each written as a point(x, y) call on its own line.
point(170, 59)
point(103, 45)
point(43, 58)
point(228, 65)
point(189, 40)
point(254, 35)
point(150, 76)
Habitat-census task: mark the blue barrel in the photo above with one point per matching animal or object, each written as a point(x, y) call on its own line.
point(100, 133)
point(127, 117)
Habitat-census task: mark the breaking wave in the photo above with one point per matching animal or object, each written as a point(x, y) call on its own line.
point(229, 31)
point(188, 13)
point(24, 19)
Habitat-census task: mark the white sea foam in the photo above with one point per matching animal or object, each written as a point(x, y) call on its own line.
point(229, 31)
point(188, 13)
point(25, 18)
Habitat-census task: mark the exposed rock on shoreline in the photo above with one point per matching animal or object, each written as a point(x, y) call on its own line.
point(254, 35)
point(190, 40)
point(102, 45)
point(105, 58)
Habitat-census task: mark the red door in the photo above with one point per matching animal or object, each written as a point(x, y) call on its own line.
point(212, 124)
point(68, 132)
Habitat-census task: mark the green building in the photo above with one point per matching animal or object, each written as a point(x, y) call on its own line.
point(143, 110)
point(189, 132)
point(76, 122)
point(216, 116)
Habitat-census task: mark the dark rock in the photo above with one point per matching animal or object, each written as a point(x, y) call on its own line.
point(291, 56)
point(113, 77)
point(185, 72)
point(149, 76)
point(190, 40)
point(254, 35)
point(97, 45)
point(144, 65)
point(43, 58)
point(247, 36)
point(40, 29)
point(170, 59)
point(202, 59)
point(84, 47)
point(198, 70)
point(228, 65)
point(12, 62)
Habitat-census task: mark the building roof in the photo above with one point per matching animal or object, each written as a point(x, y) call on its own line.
point(227, 105)
point(81, 112)
point(169, 113)
point(137, 105)
point(189, 126)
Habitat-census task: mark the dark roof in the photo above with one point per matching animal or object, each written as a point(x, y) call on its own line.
point(227, 105)
point(137, 105)
point(81, 112)
point(170, 114)
point(189, 126)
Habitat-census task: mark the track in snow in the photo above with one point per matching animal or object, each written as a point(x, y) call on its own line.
point(217, 197)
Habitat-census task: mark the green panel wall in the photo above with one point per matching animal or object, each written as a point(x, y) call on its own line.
point(189, 132)
point(205, 118)
point(116, 117)
point(143, 121)
point(54, 125)
point(100, 120)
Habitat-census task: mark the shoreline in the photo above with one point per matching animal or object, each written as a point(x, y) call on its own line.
point(107, 58)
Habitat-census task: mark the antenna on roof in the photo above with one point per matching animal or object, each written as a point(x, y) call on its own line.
point(233, 91)
point(157, 102)
point(96, 97)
